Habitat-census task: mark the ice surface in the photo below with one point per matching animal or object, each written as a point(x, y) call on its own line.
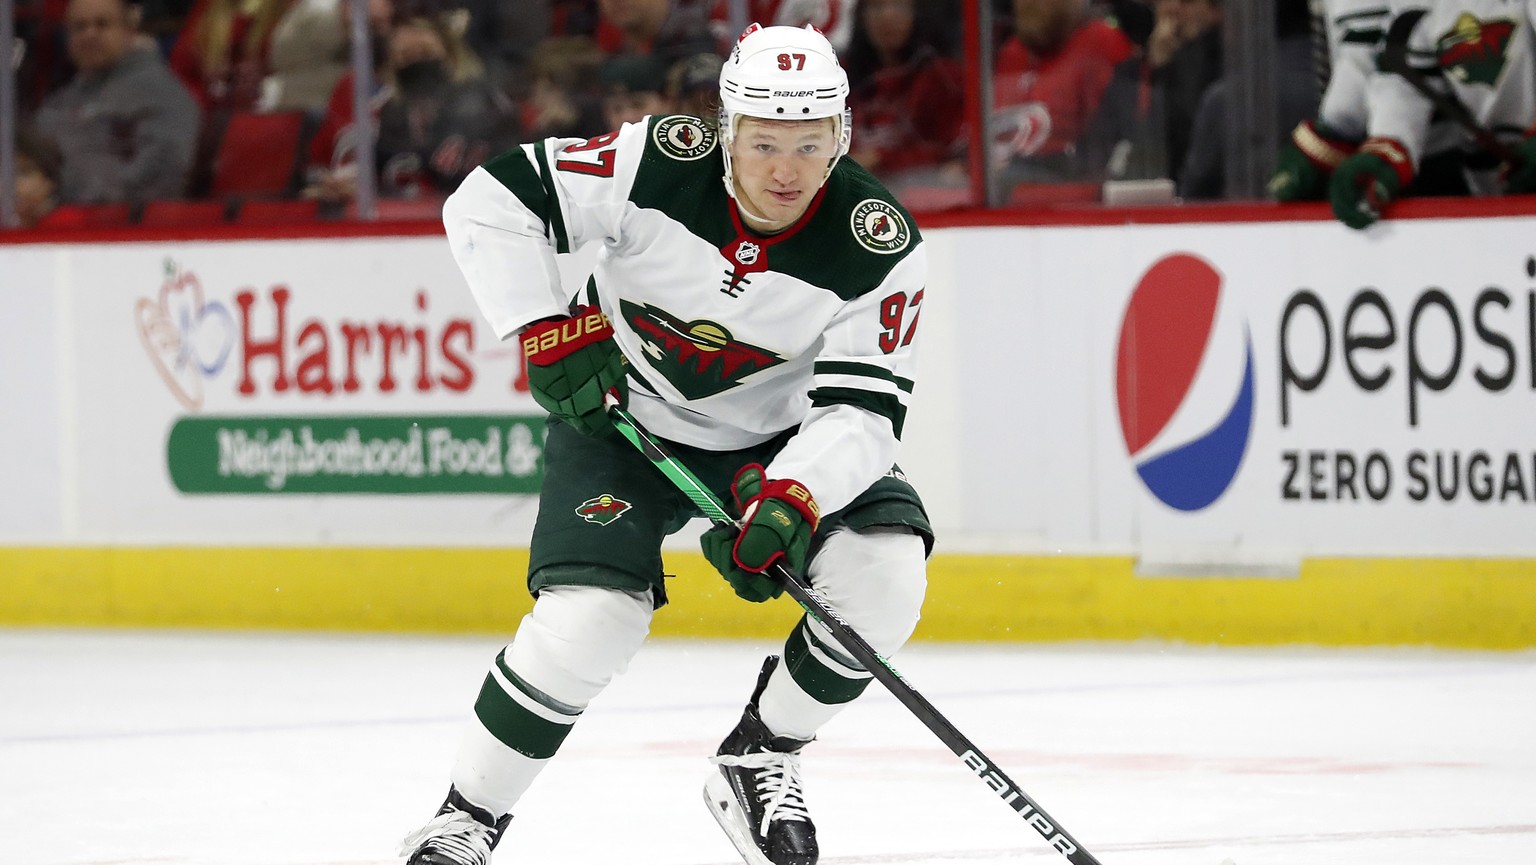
point(181, 748)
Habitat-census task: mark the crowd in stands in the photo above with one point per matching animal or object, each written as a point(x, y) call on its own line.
point(248, 105)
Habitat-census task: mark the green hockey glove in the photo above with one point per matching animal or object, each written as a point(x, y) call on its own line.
point(778, 519)
point(1522, 177)
point(1308, 161)
point(718, 542)
point(1364, 184)
point(572, 363)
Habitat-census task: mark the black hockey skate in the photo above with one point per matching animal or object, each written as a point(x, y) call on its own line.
point(755, 794)
point(460, 834)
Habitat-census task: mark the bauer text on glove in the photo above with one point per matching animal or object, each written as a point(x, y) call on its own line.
point(778, 519)
point(572, 363)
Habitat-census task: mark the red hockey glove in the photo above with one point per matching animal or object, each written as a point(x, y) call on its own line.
point(778, 519)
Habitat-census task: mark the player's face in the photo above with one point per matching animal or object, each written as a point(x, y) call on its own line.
point(777, 166)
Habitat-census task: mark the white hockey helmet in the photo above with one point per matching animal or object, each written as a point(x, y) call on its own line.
point(783, 73)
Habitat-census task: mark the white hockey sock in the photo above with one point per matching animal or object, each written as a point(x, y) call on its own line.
point(787, 710)
point(491, 775)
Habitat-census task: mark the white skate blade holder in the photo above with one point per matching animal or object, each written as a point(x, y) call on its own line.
point(733, 821)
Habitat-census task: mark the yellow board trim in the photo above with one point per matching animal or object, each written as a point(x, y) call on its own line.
point(1465, 603)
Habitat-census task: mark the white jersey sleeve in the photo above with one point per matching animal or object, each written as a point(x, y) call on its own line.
point(863, 378)
point(511, 216)
point(1355, 29)
point(1397, 110)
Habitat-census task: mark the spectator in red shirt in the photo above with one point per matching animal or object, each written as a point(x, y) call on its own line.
point(1049, 79)
point(331, 173)
point(907, 91)
point(834, 18)
point(224, 51)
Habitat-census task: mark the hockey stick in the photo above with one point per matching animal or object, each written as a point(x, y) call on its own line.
point(816, 605)
point(1394, 59)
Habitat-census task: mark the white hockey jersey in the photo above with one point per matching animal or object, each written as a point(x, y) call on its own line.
point(732, 337)
point(1355, 30)
point(1484, 52)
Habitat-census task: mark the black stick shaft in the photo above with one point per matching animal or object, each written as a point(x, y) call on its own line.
point(798, 588)
point(1394, 59)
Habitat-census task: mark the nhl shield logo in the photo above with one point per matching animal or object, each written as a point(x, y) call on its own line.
point(684, 138)
point(879, 227)
point(603, 509)
point(748, 252)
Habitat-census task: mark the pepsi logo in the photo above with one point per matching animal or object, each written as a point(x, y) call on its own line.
point(1184, 383)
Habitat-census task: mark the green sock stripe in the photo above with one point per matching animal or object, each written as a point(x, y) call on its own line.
point(517, 719)
point(825, 683)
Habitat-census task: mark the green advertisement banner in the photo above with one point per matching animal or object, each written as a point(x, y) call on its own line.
point(377, 454)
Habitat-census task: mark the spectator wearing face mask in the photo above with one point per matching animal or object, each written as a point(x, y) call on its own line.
point(442, 118)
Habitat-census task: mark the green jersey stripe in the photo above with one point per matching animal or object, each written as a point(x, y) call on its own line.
point(553, 219)
point(513, 170)
point(883, 404)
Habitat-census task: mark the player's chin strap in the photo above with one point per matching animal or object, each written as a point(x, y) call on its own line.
point(741, 206)
point(817, 606)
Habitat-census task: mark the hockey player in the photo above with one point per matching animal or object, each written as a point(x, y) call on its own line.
point(1355, 33)
point(1484, 52)
point(765, 326)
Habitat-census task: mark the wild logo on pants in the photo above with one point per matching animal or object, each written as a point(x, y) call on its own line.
point(603, 510)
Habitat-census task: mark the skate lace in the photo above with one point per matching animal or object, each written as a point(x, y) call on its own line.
point(456, 834)
point(778, 784)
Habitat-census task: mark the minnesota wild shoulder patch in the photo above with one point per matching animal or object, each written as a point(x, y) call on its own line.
point(879, 226)
point(685, 138)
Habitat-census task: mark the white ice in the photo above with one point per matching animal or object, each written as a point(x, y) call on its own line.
point(177, 748)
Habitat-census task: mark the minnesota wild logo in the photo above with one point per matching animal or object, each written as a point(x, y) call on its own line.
point(683, 137)
point(879, 227)
point(1473, 51)
point(603, 510)
point(700, 358)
